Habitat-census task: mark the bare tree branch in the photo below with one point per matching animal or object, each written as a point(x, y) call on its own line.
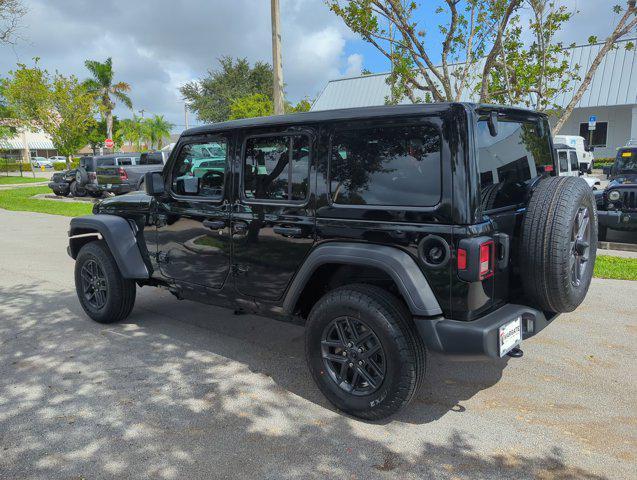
point(624, 26)
point(11, 12)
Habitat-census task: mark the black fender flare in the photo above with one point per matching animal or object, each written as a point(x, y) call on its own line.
point(399, 265)
point(118, 234)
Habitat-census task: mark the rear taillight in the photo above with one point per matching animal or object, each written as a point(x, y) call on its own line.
point(122, 173)
point(462, 259)
point(486, 260)
point(476, 258)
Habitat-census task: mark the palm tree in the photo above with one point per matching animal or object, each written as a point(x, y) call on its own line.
point(157, 129)
point(103, 86)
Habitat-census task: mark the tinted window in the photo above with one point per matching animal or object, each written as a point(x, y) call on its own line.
point(124, 161)
point(626, 161)
point(277, 168)
point(574, 161)
point(195, 160)
point(151, 159)
point(105, 162)
point(397, 166)
point(518, 153)
point(562, 157)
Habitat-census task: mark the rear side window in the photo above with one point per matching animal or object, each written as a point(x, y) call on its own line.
point(574, 161)
point(562, 156)
point(277, 168)
point(386, 165)
point(519, 152)
point(151, 159)
point(105, 162)
point(124, 161)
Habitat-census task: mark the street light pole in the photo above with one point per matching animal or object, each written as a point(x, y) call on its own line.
point(276, 59)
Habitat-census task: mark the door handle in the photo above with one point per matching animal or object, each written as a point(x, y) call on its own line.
point(214, 224)
point(289, 231)
point(239, 227)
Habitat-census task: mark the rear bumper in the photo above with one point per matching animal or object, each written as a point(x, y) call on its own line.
point(479, 338)
point(618, 220)
point(117, 188)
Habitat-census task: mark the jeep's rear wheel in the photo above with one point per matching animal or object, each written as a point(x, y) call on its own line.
point(364, 352)
point(559, 244)
point(104, 294)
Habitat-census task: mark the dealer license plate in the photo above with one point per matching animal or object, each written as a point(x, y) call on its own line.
point(510, 336)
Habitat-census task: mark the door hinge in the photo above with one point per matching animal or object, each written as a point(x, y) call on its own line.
point(162, 257)
point(238, 270)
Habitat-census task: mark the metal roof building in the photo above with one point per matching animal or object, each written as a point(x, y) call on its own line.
point(611, 96)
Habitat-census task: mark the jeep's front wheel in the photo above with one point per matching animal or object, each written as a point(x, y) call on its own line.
point(105, 295)
point(364, 352)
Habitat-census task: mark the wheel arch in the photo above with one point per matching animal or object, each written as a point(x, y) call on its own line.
point(119, 236)
point(395, 264)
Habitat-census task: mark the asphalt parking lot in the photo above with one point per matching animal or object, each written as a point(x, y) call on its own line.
point(182, 390)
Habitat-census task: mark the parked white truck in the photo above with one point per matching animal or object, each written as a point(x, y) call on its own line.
point(584, 153)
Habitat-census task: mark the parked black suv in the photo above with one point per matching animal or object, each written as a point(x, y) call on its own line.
point(617, 205)
point(386, 230)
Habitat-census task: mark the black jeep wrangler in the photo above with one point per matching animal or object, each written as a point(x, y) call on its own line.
point(617, 204)
point(388, 231)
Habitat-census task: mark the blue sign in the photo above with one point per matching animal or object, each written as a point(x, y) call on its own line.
point(592, 119)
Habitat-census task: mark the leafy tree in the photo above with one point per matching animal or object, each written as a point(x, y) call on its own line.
point(303, 106)
point(255, 105)
point(103, 85)
point(474, 31)
point(60, 106)
point(156, 129)
point(533, 75)
point(132, 131)
point(11, 12)
point(97, 134)
point(211, 97)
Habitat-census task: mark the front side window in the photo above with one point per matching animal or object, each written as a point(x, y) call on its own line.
point(626, 161)
point(205, 162)
point(520, 152)
point(386, 165)
point(277, 168)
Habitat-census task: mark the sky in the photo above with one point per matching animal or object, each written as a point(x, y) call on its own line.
point(159, 45)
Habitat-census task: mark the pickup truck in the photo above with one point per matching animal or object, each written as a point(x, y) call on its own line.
point(120, 179)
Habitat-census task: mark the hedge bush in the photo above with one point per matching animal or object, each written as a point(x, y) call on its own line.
point(6, 166)
point(604, 161)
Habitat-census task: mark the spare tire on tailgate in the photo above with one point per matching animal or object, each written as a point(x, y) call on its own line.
point(558, 244)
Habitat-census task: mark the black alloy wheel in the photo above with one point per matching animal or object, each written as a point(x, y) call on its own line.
point(580, 245)
point(94, 286)
point(353, 356)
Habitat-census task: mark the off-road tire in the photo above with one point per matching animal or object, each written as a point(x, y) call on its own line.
point(121, 292)
point(75, 190)
point(391, 322)
point(545, 252)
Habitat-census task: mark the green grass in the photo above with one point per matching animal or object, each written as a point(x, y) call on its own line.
point(4, 180)
point(19, 199)
point(616, 267)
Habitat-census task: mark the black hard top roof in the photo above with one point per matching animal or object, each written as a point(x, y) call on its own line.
point(344, 114)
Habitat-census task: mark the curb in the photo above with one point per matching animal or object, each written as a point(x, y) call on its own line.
point(626, 247)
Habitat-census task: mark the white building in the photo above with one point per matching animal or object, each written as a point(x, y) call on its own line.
point(611, 96)
point(16, 147)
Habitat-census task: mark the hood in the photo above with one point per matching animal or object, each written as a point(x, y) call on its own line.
point(131, 202)
point(624, 181)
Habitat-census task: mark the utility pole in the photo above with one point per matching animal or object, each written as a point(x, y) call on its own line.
point(186, 115)
point(142, 112)
point(276, 59)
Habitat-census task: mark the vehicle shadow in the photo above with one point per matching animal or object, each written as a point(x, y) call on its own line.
point(172, 393)
point(276, 349)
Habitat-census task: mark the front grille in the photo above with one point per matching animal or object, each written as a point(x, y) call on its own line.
point(629, 201)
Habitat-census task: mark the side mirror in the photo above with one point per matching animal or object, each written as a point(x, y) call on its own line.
point(187, 185)
point(154, 183)
point(493, 123)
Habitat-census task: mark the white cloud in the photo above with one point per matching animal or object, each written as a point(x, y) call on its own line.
point(354, 65)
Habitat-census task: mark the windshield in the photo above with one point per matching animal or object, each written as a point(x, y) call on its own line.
point(626, 161)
